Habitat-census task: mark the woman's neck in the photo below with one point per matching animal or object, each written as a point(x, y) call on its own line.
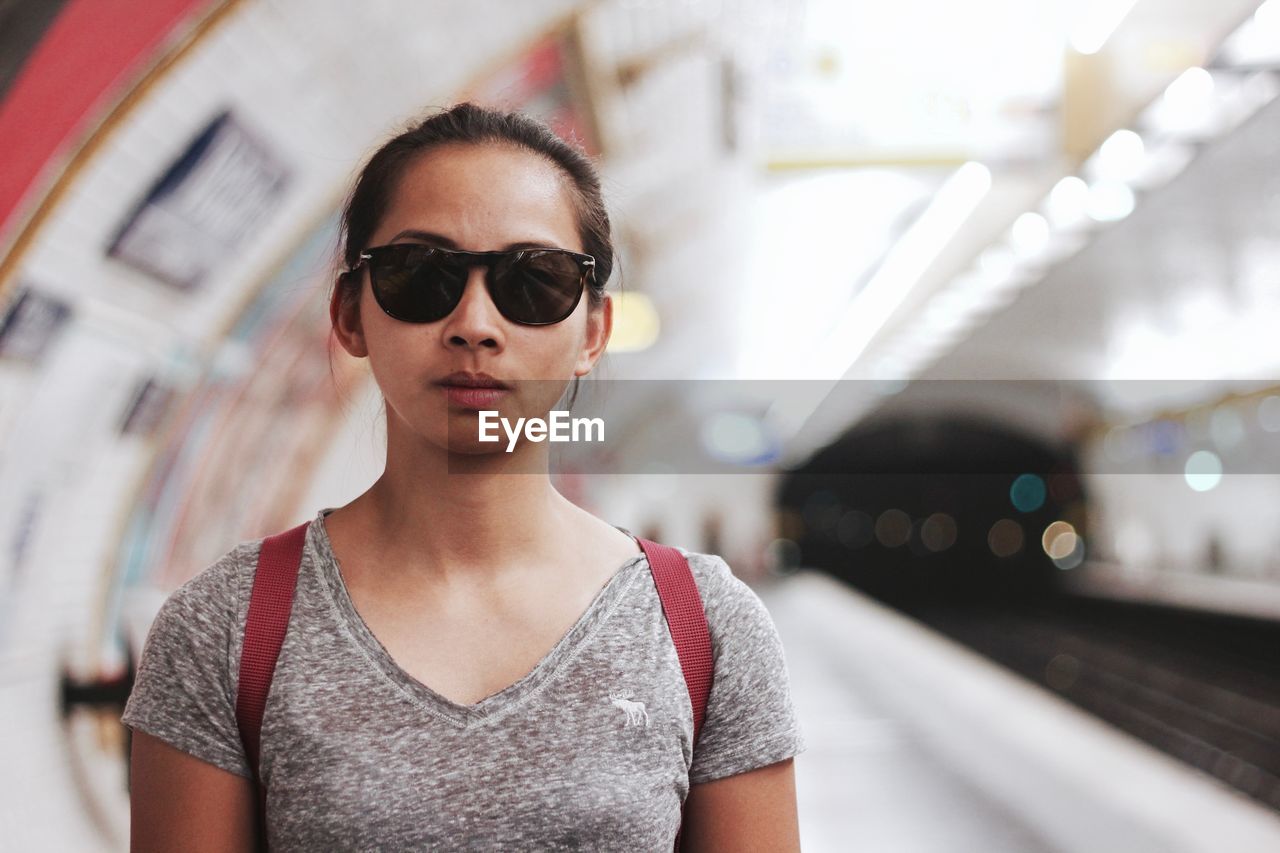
point(440, 517)
point(473, 524)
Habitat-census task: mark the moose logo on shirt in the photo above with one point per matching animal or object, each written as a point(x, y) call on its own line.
point(634, 710)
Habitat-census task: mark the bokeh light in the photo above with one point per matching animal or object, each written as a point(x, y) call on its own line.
point(893, 527)
point(1005, 538)
point(782, 556)
point(1059, 540)
point(855, 529)
point(1269, 413)
point(1027, 493)
point(1203, 470)
point(938, 532)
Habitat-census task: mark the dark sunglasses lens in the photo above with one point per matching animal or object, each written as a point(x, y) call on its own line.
point(416, 285)
point(540, 288)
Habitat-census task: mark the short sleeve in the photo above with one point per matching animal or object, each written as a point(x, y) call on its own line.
point(750, 719)
point(183, 692)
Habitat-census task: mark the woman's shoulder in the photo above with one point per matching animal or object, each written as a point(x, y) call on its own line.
point(712, 572)
point(750, 718)
point(185, 685)
point(709, 570)
point(730, 603)
point(203, 618)
point(218, 591)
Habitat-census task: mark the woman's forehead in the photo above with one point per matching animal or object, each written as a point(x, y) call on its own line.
point(483, 196)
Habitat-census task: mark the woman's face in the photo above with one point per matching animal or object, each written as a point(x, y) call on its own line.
point(476, 198)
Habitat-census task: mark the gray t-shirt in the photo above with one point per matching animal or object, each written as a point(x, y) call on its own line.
point(589, 750)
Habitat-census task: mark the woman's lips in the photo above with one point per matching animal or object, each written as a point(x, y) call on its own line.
point(473, 398)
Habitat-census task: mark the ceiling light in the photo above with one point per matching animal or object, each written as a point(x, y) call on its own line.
point(1110, 201)
point(1068, 202)
point(1121, 156)
point(635, 323)
point(906, 262)
point(1029, 235)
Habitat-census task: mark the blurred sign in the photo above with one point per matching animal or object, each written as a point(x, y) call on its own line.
point(30, 326)
point(217, 192)
point(151, 403)
point(548, 80)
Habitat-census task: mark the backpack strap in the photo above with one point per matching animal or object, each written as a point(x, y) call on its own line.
point(687, 619)
point(270, 604)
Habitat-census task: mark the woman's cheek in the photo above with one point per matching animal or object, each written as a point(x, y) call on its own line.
point(403, 380)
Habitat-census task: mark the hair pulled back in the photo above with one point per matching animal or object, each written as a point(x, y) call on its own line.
point(470, 123)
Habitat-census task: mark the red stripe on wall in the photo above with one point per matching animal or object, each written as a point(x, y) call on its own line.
point(94, 51)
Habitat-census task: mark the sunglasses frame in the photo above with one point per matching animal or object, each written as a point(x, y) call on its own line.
point(488, 260)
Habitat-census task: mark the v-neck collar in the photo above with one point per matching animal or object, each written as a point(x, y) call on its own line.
point(496, 704)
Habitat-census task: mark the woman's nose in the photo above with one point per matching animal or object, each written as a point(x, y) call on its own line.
point(475, 317)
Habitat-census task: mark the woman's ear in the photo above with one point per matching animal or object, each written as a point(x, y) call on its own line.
point(599, 329)
point(344, 314)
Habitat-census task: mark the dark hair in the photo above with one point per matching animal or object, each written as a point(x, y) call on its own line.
point(470, 123)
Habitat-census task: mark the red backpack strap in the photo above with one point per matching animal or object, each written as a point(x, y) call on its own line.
point(270, 604)
point(687, 619)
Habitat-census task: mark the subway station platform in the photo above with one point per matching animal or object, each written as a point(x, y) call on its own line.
point(918, 744)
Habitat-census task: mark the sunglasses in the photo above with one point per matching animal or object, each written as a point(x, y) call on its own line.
point(421, 284)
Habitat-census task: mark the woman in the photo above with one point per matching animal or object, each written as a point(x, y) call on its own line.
point(472, 661)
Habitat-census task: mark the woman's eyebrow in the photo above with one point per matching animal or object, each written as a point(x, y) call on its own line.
point(445, 243)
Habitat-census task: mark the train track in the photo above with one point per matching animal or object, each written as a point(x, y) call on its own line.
point(1204, 689)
